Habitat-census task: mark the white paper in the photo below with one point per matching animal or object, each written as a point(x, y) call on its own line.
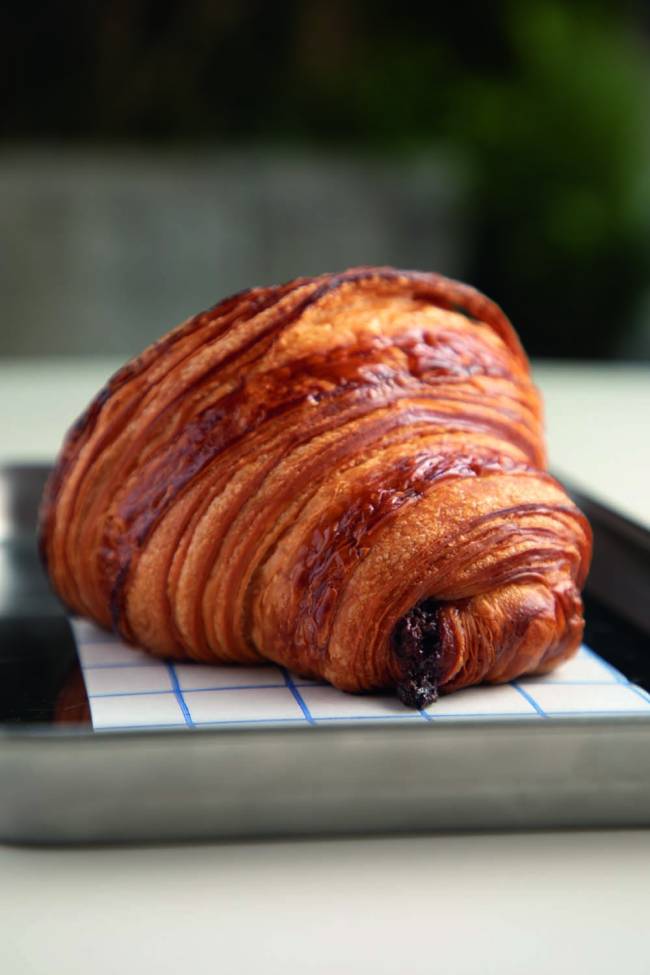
point(129, 689)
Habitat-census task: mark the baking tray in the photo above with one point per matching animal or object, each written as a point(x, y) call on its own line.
point(61, 782)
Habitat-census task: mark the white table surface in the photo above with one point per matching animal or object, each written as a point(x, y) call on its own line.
point(536, 902)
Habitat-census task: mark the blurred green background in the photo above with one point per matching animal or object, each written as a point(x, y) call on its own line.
point(156, 155)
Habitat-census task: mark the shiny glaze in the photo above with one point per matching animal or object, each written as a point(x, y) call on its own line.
point(364, 376)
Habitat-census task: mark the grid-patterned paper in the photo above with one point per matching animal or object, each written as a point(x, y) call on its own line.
point(131, 690)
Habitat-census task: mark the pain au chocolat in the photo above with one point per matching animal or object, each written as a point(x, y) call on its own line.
point(345, 475)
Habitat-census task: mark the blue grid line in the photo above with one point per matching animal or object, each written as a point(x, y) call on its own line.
point(191, 690)
point(603, 713)
point(331, 720)
point(618, 676)
point(407, 718)
point(179, 695)
point(531, 700)
point(202, 724)
point(135, 663)
point(349, 717)
point(235, 687)
point(302, 704)
point(104, 694)
point(404, 718)
point(493, 716)
point(577, 683)
point(139, 727)
point(230, 721)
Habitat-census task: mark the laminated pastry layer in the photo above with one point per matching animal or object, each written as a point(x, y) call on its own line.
point(345, 475)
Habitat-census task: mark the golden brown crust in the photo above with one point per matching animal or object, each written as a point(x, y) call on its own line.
point(287, 474)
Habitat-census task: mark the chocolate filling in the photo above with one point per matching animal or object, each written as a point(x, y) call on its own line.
point(416, 644)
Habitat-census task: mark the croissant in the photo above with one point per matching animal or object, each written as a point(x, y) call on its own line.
point(343, 474)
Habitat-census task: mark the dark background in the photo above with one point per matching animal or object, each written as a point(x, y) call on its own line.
point(156, 155)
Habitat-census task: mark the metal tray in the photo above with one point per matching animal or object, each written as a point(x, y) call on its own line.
point(60, 782)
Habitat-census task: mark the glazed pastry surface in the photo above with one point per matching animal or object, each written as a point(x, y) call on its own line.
point(345, 475)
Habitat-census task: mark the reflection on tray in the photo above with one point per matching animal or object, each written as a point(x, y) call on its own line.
point(72, 706)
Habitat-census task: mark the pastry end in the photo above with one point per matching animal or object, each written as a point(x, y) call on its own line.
point(416, 645)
